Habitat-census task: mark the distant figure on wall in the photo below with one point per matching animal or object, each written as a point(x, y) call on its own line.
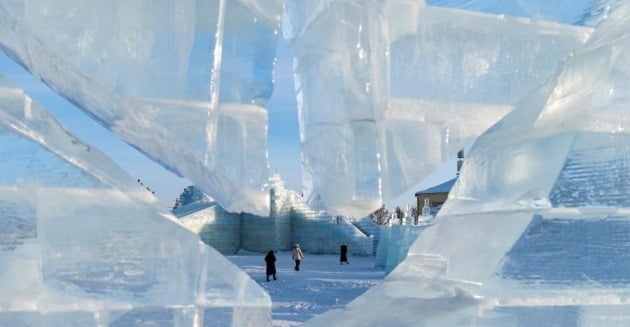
point(297, 256)
point(270, 260)
point(343, 254)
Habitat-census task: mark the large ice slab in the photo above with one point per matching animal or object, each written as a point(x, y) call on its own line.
point(185, 81)
point(577, 123)
point(399, 87)
point(82, 244)
point(535, 231)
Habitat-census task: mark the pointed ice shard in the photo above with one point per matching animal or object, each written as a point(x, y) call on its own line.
point(400, 86)
point(537, 228)
point(183, 81)
point(82, 244)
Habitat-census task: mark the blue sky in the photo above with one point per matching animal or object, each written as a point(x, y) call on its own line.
point(283, 138)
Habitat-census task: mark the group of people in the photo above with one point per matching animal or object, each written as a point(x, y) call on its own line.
point(270, 259)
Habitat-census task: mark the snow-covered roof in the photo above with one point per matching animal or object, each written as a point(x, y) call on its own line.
point(441, 188)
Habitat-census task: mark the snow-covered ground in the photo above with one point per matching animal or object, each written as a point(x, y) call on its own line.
point(320, 285)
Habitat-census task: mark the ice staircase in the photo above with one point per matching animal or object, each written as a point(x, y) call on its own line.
point(369, 228)
point(319, 232)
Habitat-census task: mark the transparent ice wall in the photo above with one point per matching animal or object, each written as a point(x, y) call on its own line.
point(82, 244)
point(537, 228)
point(183, 81)
point(388, 90)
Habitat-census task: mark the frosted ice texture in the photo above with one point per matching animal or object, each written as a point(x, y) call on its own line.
point(398, 87)
point(537, 228)
point(82, 244)
point(183, 81)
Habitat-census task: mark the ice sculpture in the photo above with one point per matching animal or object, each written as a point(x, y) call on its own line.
point(537, 228)
point(182, 81)
point(81, 244)
point(399, 87)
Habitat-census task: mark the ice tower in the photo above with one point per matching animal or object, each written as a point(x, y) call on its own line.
point(183, 81)
point(81, 244)
point(536, 231)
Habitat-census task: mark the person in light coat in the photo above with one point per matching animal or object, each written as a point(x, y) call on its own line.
point(297, 256)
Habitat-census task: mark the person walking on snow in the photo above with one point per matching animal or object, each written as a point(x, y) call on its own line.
point(297, 256)
point(343, 254)
point(270, 260)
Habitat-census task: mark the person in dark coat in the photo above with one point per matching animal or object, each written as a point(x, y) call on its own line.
point(270, 260)
point(343, 254)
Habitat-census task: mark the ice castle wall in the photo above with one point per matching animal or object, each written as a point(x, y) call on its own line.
point(290, 221)
point(215, 227)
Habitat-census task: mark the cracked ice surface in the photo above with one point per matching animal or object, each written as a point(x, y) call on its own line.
point(537, 228)
point(405, 88)
point(82, 244)
point(185, 81)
